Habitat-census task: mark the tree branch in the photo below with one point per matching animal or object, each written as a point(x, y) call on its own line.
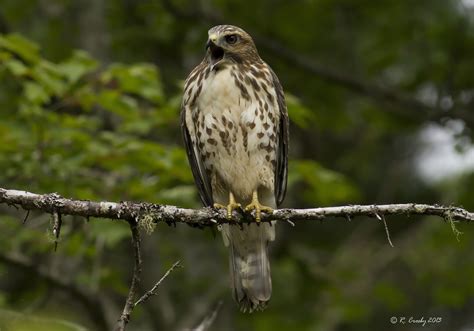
point(134, 213)
point(137, 269)
point(129, 303)
point(53, 202)
point(154, 289)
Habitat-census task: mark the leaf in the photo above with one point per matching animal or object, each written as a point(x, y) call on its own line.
point(140, 79)
point(78, 65)
point(50, 77)
point(35, 93)
point(17, 68)
point(21, 46)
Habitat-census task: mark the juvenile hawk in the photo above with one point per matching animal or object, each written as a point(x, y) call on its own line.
point(235, 127)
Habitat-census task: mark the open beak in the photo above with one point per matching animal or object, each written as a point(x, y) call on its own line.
point(217, 53)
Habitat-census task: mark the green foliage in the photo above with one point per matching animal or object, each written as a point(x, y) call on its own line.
point(90, 135)
point(321, 186)
point(99, 124)
point(25, 49)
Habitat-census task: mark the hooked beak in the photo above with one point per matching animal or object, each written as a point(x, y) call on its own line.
point(212, 40)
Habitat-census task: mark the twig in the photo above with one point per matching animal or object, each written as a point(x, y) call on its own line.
point(137, 268)
point(381, 218)
point(26, 217)
point(129, 303)
point(209, 319)
point(386, 230)
point(202, 217)
point(57, 222)
point(153, 290)
point(290, 222)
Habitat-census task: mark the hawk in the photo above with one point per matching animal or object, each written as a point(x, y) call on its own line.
point(235, 126)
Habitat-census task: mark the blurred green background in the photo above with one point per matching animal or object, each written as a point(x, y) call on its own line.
point(380, 97)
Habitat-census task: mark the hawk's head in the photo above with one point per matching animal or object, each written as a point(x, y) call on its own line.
point(227, 44)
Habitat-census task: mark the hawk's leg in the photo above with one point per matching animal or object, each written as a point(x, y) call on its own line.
point(255, 204)
point(230, 207)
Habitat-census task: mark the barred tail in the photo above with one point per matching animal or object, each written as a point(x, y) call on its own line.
point(249, 264)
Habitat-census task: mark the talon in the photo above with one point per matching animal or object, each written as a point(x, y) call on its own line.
point(255, 204)
point(230, 207)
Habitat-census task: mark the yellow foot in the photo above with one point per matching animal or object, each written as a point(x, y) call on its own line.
point(230, 207)
point(258, 207)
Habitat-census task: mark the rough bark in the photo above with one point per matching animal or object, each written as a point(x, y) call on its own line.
point(54, 203)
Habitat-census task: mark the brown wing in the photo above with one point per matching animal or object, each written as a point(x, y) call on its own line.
point(200, 175)
point(281, 171)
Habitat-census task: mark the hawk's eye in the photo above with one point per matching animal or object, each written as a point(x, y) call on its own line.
point(231, 38)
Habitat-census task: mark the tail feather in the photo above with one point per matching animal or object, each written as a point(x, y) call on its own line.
point(249, 264)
